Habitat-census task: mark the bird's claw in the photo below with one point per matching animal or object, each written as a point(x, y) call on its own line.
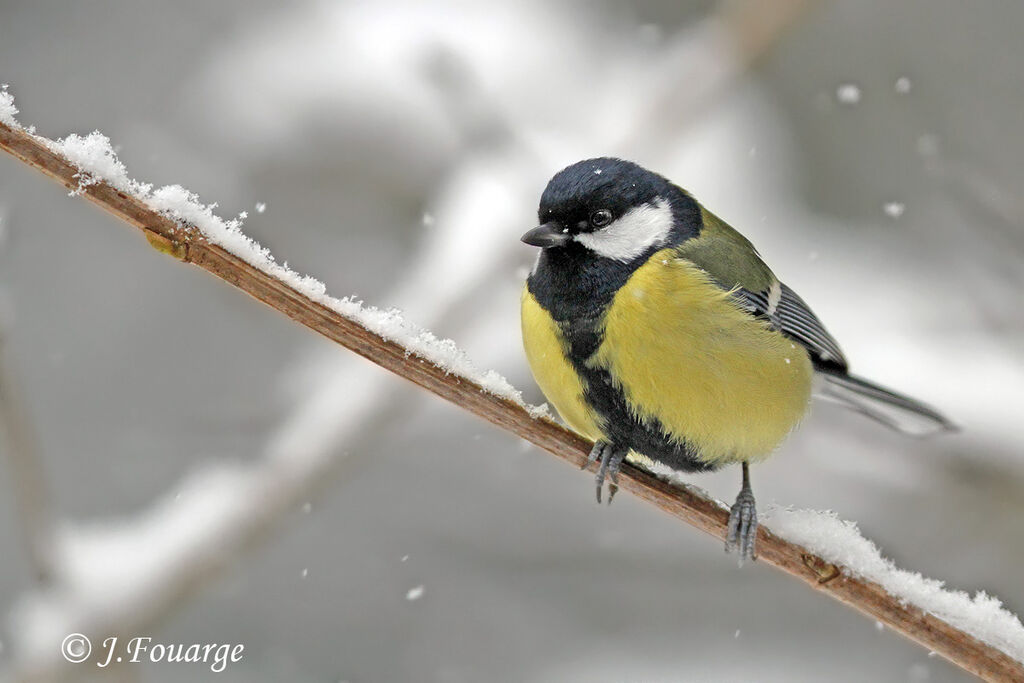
point(610, 459)
point(742, 531)
point(595, 454)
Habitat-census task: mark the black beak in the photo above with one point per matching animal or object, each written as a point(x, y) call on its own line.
point(550, 234)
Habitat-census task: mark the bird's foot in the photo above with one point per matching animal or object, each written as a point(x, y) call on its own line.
point(596, 453)
point(742, 531)
point(610, 459)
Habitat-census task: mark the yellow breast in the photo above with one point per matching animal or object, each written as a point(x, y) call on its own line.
point(682, 351)
point(546, 351)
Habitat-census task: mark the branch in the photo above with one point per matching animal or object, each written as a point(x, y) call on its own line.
point(31, 496)
point(321, 314)
point(697, 65)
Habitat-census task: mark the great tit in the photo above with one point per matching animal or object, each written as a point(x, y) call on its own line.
point(657, 331)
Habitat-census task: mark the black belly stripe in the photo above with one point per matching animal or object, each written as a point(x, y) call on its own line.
point(648, 436)
point(578, 304)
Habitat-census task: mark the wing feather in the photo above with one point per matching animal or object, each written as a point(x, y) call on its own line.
point(733, 262)
point(795, 319)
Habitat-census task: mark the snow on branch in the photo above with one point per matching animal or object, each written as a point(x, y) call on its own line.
point(829, 555)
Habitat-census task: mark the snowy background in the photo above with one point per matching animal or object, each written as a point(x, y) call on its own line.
point(396, 150)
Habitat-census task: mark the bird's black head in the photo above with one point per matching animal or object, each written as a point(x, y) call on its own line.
point(612, 209)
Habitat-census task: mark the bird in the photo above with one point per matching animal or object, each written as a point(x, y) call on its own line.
point(657, 331)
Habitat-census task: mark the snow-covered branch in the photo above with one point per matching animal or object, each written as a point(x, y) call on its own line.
point(827, 554)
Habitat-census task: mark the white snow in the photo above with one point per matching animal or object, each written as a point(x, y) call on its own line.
point(894, 209)
point(841, 543)
point(8, 111)
point(903, 85)
point(96, 160)
point(414, 593)
point(848, 93)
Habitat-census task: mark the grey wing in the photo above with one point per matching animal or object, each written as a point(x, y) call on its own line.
point(786, 312)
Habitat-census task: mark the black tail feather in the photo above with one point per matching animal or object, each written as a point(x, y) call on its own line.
point(894, 410)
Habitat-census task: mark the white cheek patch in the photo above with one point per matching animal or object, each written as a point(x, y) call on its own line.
point(633, 233)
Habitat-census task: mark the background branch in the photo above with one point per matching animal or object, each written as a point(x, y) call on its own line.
point(27, 478)
point(685, 503)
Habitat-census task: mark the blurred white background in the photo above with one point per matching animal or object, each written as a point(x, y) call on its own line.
point(398, 149)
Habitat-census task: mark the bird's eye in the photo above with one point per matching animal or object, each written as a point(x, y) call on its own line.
point(601, 218)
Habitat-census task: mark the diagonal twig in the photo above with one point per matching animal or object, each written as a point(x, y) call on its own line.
point(32, 499)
